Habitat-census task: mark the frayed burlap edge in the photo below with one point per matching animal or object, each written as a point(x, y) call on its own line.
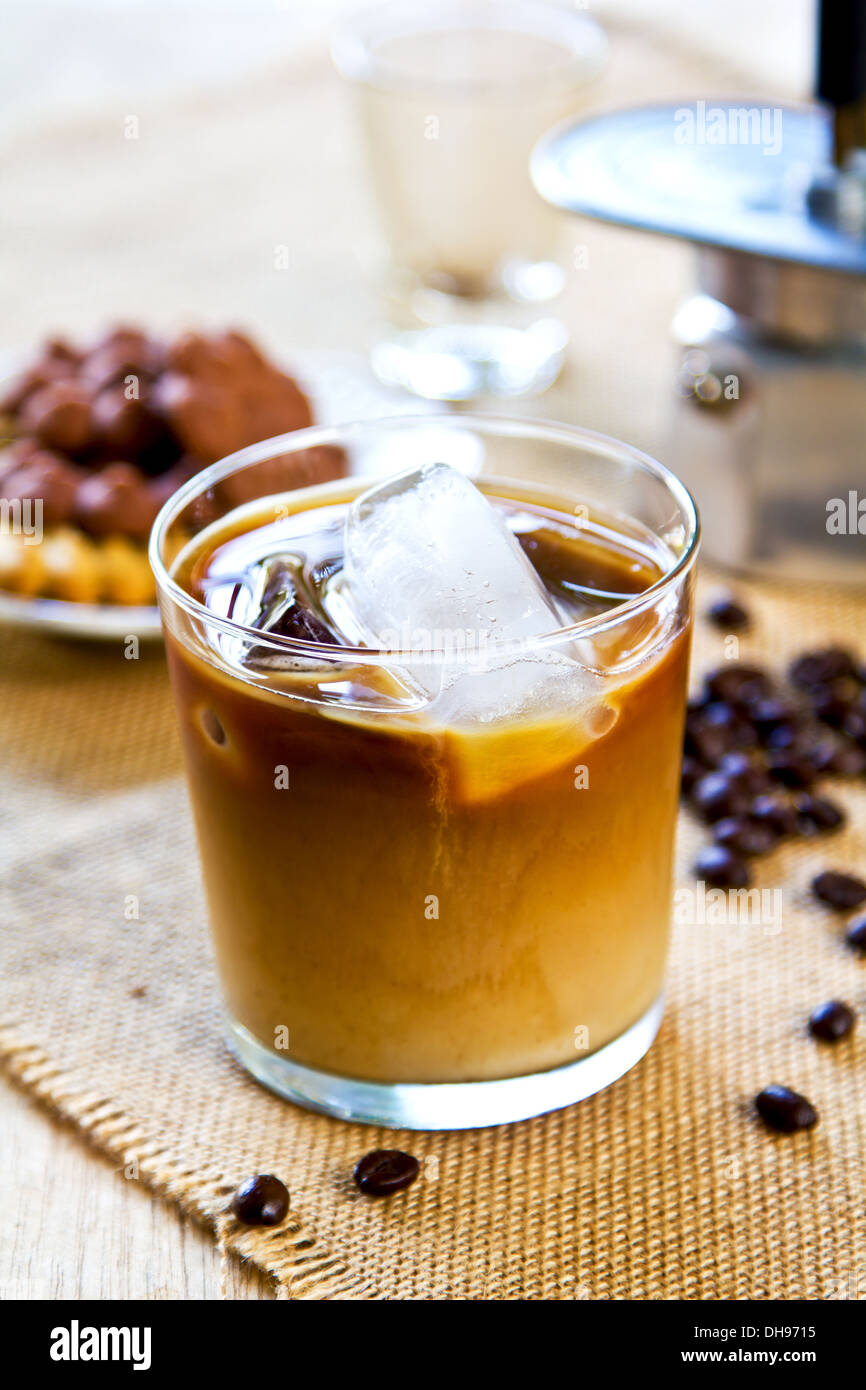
point(289, 1254)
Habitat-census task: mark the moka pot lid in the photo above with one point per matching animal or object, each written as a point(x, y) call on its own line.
point(738, 175)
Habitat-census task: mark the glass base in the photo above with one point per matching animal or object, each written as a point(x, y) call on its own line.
point(461, 361)
point(452, 1105)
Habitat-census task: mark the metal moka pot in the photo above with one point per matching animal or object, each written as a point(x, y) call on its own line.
point(768, 408)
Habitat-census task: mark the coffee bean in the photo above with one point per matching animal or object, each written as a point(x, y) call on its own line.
point(847, 760)
point(385, 1171)
point(821, 755)
point(791, 770)
point(833, 703)
point(777, 811)
point(727, 614)
point(717, 729)
point(691, 773)
point(695, 739)
point(720, 714)
point(690, 743)
point(748, 770)
point(818, 668)
point(831, 1021)
point(817, 814)
point(744, 835)
point(785, 1110)
point(737, 730)
point(739, 684)
point(722, 868)
point(261, 1201)
point(737, 764)
point(717, 795)
point(854, 726)
point(841, 891)
point(709, 744)
point(770, 715)
point(784, 736)
point(855, 936)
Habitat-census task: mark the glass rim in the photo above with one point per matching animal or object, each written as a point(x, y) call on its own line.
point(506, 426)
point(353, 43)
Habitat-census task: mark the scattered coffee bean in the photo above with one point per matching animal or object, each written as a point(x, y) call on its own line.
point(749, 770)
point(832, 1021)
point(770, 715)
point(385, 1171)
point(722, 868)
point(856, 934)
point(720, 714)
point(785, 736)
point(732, 726)
point(821, 668)
point(692, 771)
point(841, 891)
point(777, 811)
point(821, 754)
point(744, 738)
point(727, 614)
point(854, 726)
point(791, 770)
point(717, 795)
point(848, 760)
point(833, 703)
point(717, 729)
point(744, 835)
point(709, 743)
point(739, 684)
point(261, 1201)
point(817, 814)
point(785, 1110)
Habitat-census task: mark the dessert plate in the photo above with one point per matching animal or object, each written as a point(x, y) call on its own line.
point(341, 387)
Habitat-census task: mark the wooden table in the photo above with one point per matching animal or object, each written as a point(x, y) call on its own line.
point(74, 1227)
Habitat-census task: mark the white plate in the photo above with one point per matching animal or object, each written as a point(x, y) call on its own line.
point(341, 387)
point(101, 622)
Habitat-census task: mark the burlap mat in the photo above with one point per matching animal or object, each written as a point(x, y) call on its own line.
point(664, 1186)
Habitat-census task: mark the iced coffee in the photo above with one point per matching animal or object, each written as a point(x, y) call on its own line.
point(432, 727)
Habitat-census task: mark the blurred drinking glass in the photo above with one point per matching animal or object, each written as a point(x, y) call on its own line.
point(452, 98)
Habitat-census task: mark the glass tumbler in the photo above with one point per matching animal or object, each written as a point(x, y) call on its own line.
point(451, 99)
point(438, 874)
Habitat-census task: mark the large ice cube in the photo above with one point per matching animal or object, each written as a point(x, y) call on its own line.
point(426, 554)
point(431, 567)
